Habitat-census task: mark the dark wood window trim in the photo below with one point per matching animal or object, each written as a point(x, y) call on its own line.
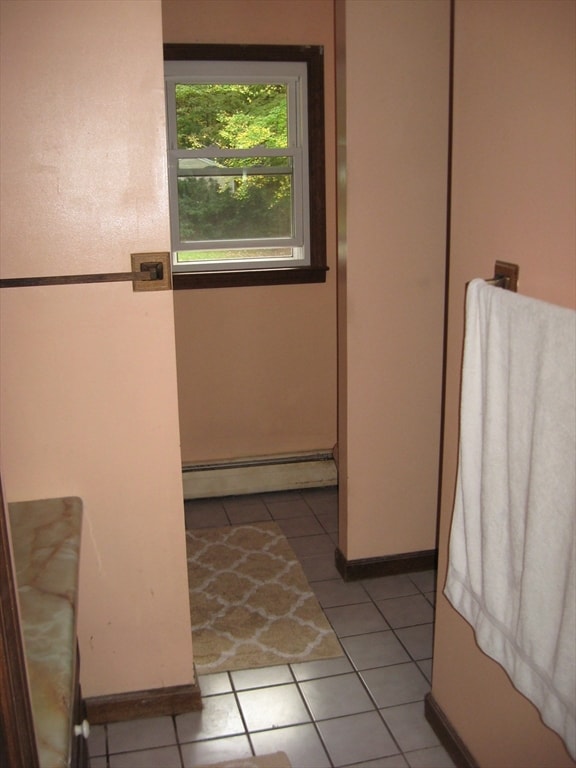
point(314, 58)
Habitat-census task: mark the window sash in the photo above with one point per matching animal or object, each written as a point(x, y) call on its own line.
point(242, 73)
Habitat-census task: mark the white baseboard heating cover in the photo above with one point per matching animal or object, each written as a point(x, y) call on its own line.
point(259, 475)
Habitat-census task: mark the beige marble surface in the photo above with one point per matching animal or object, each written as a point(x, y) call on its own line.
point(46, 544)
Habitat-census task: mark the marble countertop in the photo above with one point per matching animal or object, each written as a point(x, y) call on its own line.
point(46, 544)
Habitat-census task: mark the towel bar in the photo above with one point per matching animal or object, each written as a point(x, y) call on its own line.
point(152, 269)
point(149, 272)
point(505, 276)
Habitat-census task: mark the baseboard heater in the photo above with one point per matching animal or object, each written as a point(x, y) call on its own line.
point(259, 475)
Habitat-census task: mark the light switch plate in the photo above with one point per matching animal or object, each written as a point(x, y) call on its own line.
point(165, 284)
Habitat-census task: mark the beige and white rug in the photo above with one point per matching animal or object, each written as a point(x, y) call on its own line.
point(250, 602)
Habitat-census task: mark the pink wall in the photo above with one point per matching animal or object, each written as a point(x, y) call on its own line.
point(392, 143)
point(88, 379)
point(513, 199)
point(257, 366)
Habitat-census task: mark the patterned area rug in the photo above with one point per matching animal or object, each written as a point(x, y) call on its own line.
point(250, 602)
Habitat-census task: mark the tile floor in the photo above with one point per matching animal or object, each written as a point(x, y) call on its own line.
point(364, 710)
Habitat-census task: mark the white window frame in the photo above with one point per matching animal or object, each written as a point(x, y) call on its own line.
point(293, 74)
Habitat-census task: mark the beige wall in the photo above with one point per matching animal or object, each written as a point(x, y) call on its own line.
point(88, 381)
point(513, 199)
point(257, 366)
point(392, 139)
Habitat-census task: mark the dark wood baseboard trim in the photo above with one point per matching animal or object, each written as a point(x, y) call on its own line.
point(389, 565)
point(136, 704)
point(448, 736)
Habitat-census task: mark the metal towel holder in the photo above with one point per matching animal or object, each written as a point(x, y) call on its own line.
point(150, 272)
point(505, 276)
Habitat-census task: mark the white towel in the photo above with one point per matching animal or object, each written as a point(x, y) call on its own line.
point(511, 567)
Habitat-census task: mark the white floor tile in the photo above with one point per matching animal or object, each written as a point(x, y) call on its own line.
point(434, 757)
point(310, 546)
point(219, 682)
point(355, 738)
point(395, 761)
point(386, 587)
point(336, 592)
point(356, 619)
point(300, 526)
point(407, 611)
point(215, 751)
point(377, 649)
point(319, 567)
point(424, 580)
point(417, 640)
point(426, 667)
point(141, 734)
point(167, 757)
point(398, 684)
point(219, 717)
point(300, 743)
point(272, 707)
point(335, 696)
point(310, 670)
point(97, 740)
point(261, 678)
point(98, 762)
point(410, 727)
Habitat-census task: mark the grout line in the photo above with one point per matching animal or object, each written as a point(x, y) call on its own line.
point(313, 720)
point(179, 746)
point(244, 723)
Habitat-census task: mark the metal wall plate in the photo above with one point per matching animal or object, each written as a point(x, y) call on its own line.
point(509, 272)
point(164, 284)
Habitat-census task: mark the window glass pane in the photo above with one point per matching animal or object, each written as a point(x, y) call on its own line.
point(217, 202)
point(231, 116)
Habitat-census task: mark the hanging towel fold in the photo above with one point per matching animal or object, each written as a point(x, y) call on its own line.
point(511, 571)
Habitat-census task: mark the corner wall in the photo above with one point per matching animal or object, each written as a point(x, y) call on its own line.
point(257, 365)
point(88, 372)
point(513, 199)
point(393, 60)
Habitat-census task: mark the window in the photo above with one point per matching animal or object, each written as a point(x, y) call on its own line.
point(245, 164)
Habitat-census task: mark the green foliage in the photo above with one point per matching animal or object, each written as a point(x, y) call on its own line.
point(233, 116)
point(211, 212)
